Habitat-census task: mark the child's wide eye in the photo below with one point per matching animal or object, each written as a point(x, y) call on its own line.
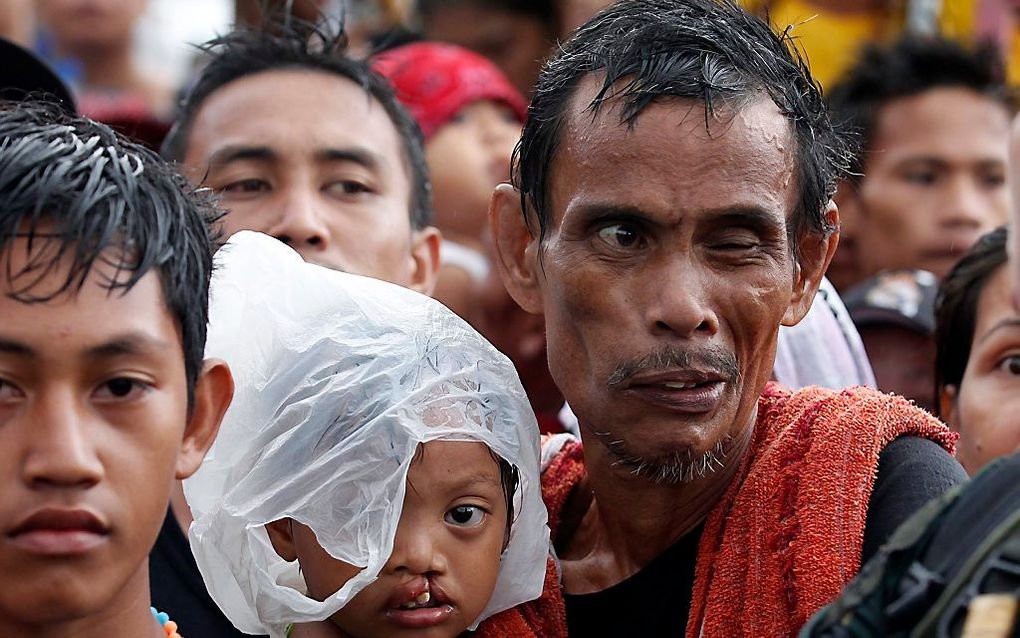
point(465, 516)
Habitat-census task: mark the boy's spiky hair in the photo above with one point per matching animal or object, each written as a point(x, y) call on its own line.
point(81, 194)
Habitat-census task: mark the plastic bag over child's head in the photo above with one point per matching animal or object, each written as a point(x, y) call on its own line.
point(338, 379)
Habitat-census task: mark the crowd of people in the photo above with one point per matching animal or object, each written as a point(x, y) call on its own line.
point(508, 319)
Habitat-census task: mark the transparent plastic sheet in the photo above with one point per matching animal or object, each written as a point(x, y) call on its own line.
point(338, 379)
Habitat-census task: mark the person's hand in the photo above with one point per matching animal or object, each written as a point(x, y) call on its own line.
point(321, 629)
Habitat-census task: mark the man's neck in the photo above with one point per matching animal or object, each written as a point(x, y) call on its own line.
point(128, 616)
point(628, 521)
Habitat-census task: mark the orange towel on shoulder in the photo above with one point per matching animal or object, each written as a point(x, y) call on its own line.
point(788, 533)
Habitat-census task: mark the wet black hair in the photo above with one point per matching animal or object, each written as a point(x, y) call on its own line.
point(510, 479)
point(907, 67)
point(956, 307)
point(298, 45)
point(103, 199)
point(712, 51)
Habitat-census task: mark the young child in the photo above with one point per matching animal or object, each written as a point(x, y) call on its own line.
point(977, 361)
point(378, 466)
point(105, 399)
point(471, 117)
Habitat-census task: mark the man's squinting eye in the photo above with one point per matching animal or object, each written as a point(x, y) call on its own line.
point(620, 236)
point(736, 241)
point(9, 391)
point(1010, 365)
point(348, 187)
point(993, 180)
point(465, 516)
point(120, 388)
point(245, 186)
point(921, 177)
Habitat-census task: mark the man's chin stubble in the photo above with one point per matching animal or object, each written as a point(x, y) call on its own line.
point(674, 469)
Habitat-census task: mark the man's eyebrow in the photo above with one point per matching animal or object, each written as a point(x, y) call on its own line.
point(135, 343)
point(612, 211)
point(362, 156)
point(923, 160)
point(16, 348)
point(751, 217)
point(128, 344)
point(234, 153)
point(1008, 322)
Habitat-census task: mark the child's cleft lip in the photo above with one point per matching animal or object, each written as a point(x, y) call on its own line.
point(420, 617)
point(419, 603)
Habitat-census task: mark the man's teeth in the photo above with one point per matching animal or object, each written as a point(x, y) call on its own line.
point(679, 386)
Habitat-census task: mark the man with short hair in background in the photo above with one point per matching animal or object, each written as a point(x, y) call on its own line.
point(933, 118)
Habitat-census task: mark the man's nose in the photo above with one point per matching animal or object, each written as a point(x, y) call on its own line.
point(301, 222)
point(680, 303)
point(415, 550)
point(61, 451)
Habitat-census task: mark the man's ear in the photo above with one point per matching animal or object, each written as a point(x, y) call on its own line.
point(947, 406)
point(213, 392)
point(515, 248)
point(281, 535)
point(814, 253)
point(425, 259)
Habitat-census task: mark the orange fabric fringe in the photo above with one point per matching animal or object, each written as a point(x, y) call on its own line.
point(788, 533)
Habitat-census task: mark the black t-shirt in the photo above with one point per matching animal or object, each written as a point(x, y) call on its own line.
point(656, 601)
point(178, 589)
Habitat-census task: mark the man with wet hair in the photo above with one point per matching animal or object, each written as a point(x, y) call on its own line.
point(105, 398)
point(670, 209)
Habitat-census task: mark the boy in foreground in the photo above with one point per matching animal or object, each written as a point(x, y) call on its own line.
point(105, 399)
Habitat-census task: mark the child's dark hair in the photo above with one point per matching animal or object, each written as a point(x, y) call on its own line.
point(510, 479)
point(97, 197)
point(956, 307)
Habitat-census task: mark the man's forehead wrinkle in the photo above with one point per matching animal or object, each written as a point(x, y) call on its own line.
point(749, 128)
point(751, 158)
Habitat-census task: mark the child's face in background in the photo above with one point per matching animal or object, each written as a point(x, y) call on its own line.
point(983, 409)
point(449, 541)
point(467, 157)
